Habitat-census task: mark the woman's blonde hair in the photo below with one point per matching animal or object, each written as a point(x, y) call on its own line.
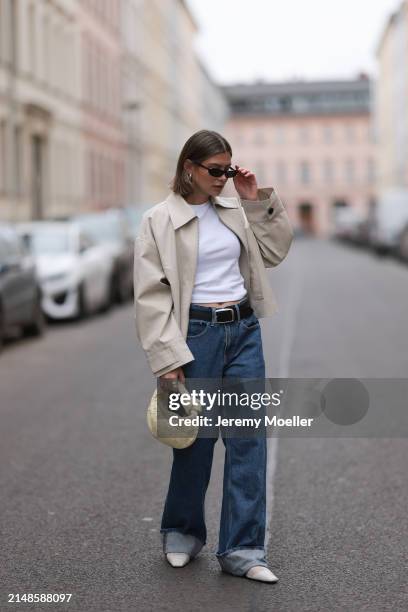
point(199, 147)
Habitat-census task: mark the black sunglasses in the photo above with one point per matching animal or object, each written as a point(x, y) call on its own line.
point(228, 171)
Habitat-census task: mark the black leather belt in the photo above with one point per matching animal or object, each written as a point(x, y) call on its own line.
point(223, 314)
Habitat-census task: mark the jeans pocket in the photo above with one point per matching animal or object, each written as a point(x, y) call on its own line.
point(251, 322)
point(197, 328)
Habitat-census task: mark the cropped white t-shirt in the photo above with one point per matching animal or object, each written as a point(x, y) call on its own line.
point(218, 277)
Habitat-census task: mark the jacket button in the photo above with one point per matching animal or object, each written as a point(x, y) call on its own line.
point(270, 210)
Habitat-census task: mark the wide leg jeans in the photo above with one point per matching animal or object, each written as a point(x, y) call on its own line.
point(221, 350)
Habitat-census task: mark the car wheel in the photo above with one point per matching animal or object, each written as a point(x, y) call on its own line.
point(107, 304)
point(112, 289)
point(38, 322)
point(122, 289)
point(380, 251)
point(1, 328)
point(83, 308)
point(403, 245)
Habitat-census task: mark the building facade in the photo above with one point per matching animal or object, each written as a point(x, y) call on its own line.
point(167, 94)
point(215, 110)
point(40, 115)
point(312, 141)
point(96, 99)
point(103, 140)
point(391, 102)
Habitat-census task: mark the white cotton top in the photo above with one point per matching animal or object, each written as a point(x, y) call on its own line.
point(218, 277)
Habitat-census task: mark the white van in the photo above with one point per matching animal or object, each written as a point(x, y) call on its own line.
point(390, 221)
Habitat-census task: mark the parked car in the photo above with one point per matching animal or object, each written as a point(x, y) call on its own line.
point(347, 224)
point(361, 235)
point(111, 229)
point(134, 216)
point(403, 244)
point(74, 272)
point(389, 232)
point(20, 291)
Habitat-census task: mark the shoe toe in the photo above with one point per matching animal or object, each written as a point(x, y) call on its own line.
point(259, 572)
point(178, 559)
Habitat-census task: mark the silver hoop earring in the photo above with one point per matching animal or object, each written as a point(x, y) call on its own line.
point(190, 177)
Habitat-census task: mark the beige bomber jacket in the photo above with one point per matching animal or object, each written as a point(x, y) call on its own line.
point(165, 259)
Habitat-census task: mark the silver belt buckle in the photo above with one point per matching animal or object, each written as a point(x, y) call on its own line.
point(226, 308)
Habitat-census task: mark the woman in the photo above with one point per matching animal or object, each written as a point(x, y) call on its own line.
point(200, 285)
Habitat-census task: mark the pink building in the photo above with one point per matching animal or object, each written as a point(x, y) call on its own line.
point(312, 141)
point(104, 140)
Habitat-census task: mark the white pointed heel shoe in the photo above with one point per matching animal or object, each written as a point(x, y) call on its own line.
point(178, 559)
point(261, 573)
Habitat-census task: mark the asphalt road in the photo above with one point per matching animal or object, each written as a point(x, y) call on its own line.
point(83, 483)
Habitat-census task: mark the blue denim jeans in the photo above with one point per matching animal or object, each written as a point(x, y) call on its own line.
point(221, 350)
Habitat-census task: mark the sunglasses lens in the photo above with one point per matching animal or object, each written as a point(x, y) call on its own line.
point(216, 172)
point(231, 172)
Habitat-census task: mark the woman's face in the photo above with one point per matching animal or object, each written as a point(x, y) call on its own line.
point(202, 180)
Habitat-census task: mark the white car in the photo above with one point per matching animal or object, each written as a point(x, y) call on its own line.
point(110, 228)
point(75, 274)
point(346, 223)
point(390, 221)
point(134, 215)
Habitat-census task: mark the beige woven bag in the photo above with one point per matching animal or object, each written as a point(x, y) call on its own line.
point(158, 414)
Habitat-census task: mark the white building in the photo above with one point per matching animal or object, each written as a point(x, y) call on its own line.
point(39, 108)
point(391, 108)
point(96, 99)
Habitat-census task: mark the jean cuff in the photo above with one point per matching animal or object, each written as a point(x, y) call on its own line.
point(238, 560)
point(175, 541)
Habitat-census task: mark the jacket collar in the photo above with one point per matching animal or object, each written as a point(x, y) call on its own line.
point(181, 212)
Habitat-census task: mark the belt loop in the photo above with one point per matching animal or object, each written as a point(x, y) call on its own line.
point(236, 306)
point(213, 315)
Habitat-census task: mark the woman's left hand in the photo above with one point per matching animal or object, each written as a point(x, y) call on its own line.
point(245, 184)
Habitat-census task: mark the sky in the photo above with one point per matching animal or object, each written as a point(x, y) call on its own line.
point(240, 41)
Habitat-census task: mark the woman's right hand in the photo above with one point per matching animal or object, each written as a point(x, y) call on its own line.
point(176, 374)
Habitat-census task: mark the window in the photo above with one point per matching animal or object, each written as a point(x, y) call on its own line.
point(280, 135)
point(328, 171)
point(259, 138)
point(304, 172)
point(85, 241)
point(350, 171)
point(3, 157)
point(93, 175)
point(350, 133)
point(281, 172)
point(371, 170)
point(32, 39)
point(1, 30)
point(260, 172)
point(18, 160)
point(328, 134)
point(239, 139)
point(304, 136)
point(51, 240)
point(46, 49)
